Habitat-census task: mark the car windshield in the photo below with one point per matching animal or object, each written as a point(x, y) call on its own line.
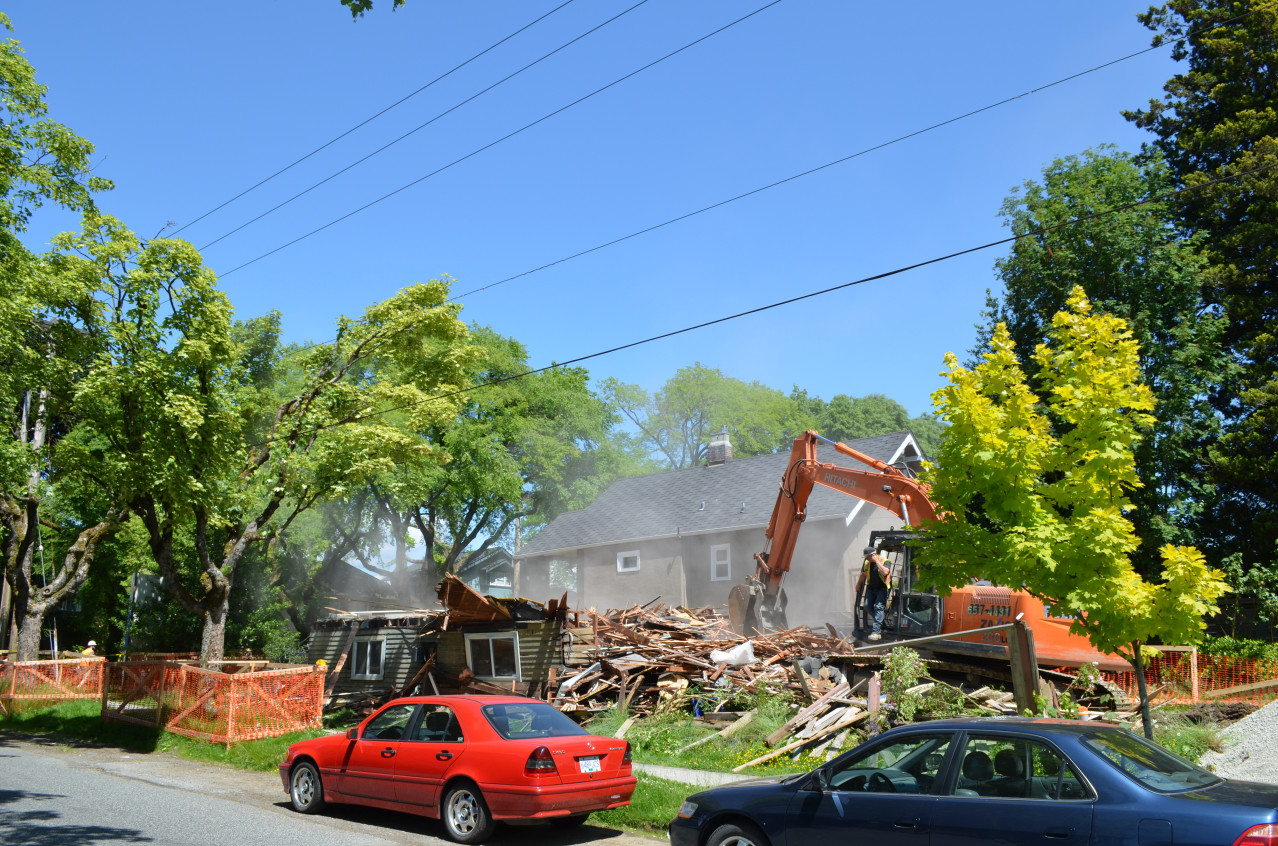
point(519, 720)
point(1152, 766)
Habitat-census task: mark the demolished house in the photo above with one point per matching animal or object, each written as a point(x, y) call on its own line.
point(478, 643)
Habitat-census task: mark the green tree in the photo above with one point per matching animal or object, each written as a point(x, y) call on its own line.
point(347, 423)
point(41, 348)
point(520, 451)
point(359, 7)
point(845, 418)
point(675, 424)
point(1036, 496)
point(1219, 118)
point(1132, 264)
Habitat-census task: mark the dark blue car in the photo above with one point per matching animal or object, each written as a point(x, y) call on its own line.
point(989, 781)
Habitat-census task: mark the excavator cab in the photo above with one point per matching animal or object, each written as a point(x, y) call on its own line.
point(914, 608)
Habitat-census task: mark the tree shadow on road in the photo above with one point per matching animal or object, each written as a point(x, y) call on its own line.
point(39, 826)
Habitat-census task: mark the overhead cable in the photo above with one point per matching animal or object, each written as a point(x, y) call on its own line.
point(506, 137)
point(368, 120)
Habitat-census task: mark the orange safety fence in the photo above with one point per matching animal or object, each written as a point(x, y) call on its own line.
point(211, 705)
point(27, 685)
point(1187, 677)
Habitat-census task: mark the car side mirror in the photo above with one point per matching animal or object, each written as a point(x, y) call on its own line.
point(352, 734)
point(820, 780)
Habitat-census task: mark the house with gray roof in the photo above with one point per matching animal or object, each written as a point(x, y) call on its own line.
point(689, 535)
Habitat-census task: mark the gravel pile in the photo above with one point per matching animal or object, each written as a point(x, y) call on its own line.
point(1251, 748)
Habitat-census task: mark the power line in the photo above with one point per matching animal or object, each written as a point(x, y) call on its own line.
point(420, 127)
point(810, 171)
point(810, 295)
point(506, 137)
point(1156, 45)
point(366, 121)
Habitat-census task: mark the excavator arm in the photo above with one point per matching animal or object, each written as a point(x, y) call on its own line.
point(760, 603)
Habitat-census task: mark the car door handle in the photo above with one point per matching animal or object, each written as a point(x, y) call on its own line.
point(912, 823)
point(388, 752)
point(443, 756)
point(1060, 833)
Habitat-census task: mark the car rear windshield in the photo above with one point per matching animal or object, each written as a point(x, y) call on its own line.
point(519, 721)
point(1150, 765)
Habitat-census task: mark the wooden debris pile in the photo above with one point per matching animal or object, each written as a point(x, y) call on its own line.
point(646, 658)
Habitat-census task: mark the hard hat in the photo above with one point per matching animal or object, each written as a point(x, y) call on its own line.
point(93, 643)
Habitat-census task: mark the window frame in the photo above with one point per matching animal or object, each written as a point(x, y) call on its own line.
point(727, 561)
point(621, 556)
point(488, 638)
point(367, 642)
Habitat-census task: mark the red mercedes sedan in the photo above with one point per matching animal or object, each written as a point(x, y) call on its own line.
point(467, 760)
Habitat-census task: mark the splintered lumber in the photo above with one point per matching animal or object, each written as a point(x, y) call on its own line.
point(430, 662)
point(790, 747)
point(803, 716)
point(738, 724)
point(625, 727)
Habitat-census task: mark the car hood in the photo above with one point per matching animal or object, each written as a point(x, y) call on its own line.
point(313, 745)
point(721, 792)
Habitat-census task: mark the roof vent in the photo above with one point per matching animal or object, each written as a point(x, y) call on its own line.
point(720, 449)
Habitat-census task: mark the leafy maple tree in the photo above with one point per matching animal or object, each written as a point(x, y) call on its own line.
point(1038, 497)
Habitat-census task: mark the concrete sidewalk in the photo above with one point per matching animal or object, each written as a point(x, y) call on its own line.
point(700, 778)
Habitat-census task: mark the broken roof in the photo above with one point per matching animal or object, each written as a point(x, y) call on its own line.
point(698, 500)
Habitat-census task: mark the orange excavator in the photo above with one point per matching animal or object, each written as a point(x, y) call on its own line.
point(914, 608)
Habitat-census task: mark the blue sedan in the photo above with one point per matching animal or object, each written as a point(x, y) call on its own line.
point(989, 781)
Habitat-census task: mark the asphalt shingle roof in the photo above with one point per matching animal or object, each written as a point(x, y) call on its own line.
point(735, 495)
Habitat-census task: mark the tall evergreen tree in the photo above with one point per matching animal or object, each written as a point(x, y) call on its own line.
point(1219, 118)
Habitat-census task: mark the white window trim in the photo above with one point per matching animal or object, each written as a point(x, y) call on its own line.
point(381, 664)
point(727, 575)
point(487, 638)
point(622, 556)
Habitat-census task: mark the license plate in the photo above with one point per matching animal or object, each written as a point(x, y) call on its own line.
point(589, 765)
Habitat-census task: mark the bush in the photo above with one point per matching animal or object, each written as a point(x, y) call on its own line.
point(1240, 647)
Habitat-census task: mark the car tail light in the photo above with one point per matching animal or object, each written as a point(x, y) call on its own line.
point(1259, 835)
point(625, 759)
point(540, 763)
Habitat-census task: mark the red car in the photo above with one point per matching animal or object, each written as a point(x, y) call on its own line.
point(468, 760)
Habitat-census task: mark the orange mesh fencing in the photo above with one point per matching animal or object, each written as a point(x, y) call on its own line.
point(1186, 677)
point(216, 706)
point(27, 685)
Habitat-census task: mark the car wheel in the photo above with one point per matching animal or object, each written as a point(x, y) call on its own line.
point(465, 815)
point(737, 834)
point(305, 789)
point(569, 822)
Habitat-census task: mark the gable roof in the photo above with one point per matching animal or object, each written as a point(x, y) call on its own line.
point(700, 500)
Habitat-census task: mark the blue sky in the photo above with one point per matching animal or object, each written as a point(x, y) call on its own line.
point(190, 103)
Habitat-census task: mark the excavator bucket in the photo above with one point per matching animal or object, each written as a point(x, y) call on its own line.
point(750, 613)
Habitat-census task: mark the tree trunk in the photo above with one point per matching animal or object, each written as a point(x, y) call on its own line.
point(213, 641)
point(30, 628)
point(1143, 689)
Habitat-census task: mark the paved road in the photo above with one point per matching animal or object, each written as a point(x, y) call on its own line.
point(53, 794)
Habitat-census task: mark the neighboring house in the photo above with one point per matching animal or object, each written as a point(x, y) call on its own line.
point(689, 535)
point(491, 572)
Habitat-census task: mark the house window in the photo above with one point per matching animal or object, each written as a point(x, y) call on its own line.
point(628, 562)
point(720, 562)
point(366, 659)
point(493, 655)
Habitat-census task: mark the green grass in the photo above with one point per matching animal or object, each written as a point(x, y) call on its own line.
point(658, 739)
point(1187, 739)
point(653, 806)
